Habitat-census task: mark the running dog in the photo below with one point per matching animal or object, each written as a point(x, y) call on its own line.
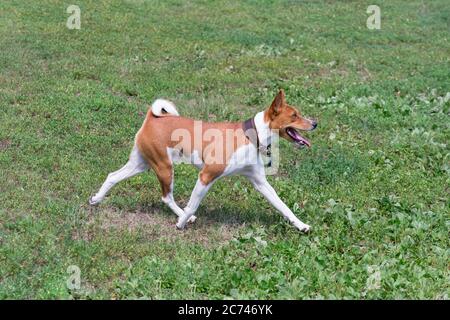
point(217, 149)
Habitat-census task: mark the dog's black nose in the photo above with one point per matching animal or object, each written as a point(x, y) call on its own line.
point(314, 124)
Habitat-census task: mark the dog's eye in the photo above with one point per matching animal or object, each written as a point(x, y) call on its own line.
point(294, 116)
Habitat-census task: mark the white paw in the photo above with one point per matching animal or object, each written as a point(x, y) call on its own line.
point(303, 227)
point(180, 226)
point(182, 221)
point(94, 201)
point(192, 219)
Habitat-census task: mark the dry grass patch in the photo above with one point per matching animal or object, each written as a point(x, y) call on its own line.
point(154, 225)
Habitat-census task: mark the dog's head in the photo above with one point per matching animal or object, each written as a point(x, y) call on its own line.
point(287, 120)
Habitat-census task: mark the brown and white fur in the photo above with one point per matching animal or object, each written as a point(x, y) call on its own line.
point(155, 148)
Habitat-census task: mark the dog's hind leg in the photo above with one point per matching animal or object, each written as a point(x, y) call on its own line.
point(165, 175)
point(204, 183)
point(136, 164)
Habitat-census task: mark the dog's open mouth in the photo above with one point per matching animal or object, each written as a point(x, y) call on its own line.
point(297, 138)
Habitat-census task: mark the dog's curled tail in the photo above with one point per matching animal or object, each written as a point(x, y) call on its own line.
point(163, 108)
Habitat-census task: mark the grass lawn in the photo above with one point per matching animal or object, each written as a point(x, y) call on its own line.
point(374, 186)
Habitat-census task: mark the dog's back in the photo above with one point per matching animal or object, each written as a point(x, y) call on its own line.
point(212, 143)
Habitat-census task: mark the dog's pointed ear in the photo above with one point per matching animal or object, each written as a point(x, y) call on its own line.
point(278, 103)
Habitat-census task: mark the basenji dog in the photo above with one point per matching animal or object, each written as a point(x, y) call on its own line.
point(217, 149)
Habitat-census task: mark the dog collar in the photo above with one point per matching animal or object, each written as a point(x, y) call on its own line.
point(251, 133)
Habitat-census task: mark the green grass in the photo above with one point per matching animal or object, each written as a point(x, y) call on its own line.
point(374, 186)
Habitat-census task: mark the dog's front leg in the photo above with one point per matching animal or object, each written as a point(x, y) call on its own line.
point(262, 185)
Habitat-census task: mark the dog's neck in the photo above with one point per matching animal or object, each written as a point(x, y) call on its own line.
point(263, 129)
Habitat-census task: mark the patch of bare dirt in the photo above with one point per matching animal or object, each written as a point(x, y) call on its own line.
point(154, 225)
point(5, 143)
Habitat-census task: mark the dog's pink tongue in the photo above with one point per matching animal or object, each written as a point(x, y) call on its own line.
point(300, 139)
